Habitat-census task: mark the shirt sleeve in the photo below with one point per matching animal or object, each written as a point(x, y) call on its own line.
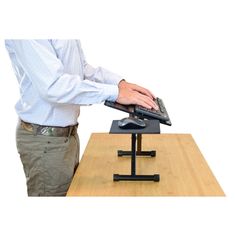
point(99, 74)
point(47, 75)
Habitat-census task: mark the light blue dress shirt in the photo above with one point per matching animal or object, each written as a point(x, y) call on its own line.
point(55, 79)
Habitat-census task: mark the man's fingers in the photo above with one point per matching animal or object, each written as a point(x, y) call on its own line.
point(144, 91)
point(145, 101)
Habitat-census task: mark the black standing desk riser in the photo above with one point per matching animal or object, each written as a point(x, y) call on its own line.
point(152, 127)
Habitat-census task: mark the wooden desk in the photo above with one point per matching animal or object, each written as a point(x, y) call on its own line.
point(183, 170)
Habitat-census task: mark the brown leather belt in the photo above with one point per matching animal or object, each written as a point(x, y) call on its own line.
point(49, 130)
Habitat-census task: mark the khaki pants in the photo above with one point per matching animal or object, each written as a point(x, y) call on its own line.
point(49, 162)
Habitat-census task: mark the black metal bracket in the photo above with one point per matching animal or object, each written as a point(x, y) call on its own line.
point(139, 151)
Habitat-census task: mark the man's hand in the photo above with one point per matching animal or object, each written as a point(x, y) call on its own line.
point(134, 94)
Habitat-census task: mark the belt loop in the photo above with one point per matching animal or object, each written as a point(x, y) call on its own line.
point(70, 131)
point(35, 127)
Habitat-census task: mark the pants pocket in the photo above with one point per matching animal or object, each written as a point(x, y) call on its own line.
point(59, 163)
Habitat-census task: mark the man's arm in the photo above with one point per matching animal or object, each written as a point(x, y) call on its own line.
point(128, 93)
point(47, 75)
point(97, 74)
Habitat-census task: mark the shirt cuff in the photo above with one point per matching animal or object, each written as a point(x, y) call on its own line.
point(110, 92)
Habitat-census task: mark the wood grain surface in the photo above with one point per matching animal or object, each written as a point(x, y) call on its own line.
point(182, 168)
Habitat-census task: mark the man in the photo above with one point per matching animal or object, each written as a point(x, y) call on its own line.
point(54, 80)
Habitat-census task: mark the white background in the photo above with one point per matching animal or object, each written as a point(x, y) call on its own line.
point(185, 52)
